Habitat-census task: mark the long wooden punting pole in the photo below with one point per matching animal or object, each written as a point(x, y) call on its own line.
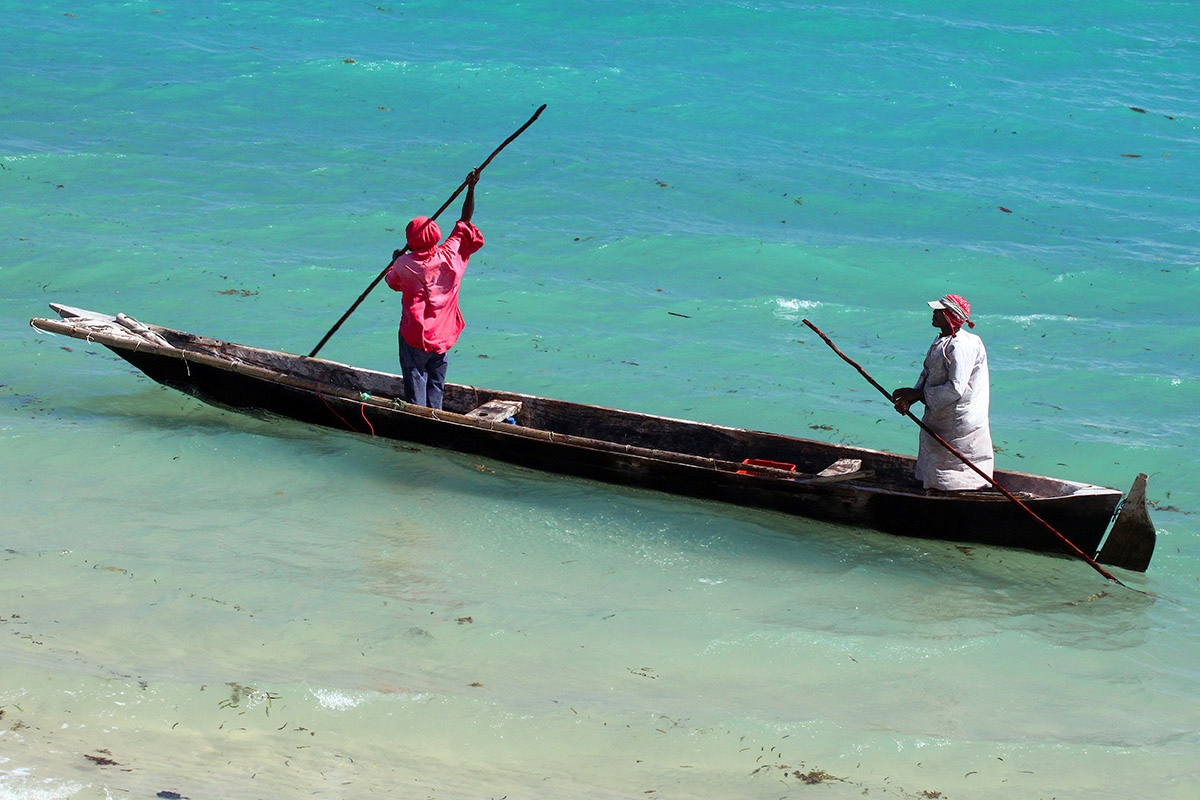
point(1070, 545)
point(449, 200)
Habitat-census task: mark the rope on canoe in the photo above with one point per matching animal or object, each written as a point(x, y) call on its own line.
point(362, 408)
point(339, 416)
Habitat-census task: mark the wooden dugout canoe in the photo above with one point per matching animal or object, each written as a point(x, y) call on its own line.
point(850, 485)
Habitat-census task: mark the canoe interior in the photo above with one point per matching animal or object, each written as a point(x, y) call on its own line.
point(892, 470)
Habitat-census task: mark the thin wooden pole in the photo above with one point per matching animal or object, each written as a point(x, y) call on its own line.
point(449, 200)
point(1070, 545)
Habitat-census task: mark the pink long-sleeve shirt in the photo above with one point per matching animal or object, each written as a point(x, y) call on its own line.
point(430, 279)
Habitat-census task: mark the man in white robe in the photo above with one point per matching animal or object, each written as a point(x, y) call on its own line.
point(954, 388)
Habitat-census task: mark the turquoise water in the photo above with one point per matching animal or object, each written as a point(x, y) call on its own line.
point(229, 607)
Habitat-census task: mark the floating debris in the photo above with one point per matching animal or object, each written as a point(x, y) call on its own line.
point(102, 761)
point(815, 776)
point(1088, 599)
point(250, 695)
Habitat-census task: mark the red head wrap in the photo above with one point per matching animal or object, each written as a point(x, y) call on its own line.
point(422, 233)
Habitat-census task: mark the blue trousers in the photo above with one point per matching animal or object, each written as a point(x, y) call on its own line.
point(424, 375)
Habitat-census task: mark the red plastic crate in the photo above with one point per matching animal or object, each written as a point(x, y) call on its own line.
point(762, 462)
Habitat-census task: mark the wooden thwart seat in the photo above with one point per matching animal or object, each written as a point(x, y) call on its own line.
point(844, 469)
point(842, 466)
point(496, 410)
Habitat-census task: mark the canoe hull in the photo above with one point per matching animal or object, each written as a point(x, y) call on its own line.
point(991, 520)
point(680, 457)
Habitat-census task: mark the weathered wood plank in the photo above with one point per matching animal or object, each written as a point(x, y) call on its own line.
point(496, 410)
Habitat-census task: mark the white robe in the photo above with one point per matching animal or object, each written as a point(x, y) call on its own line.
point(955, 384)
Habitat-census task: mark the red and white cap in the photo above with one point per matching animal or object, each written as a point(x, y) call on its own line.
point(957, 306)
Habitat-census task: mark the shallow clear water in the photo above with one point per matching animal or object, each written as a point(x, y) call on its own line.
point(231, 607)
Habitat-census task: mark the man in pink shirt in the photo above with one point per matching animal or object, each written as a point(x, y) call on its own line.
point(429, 275)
